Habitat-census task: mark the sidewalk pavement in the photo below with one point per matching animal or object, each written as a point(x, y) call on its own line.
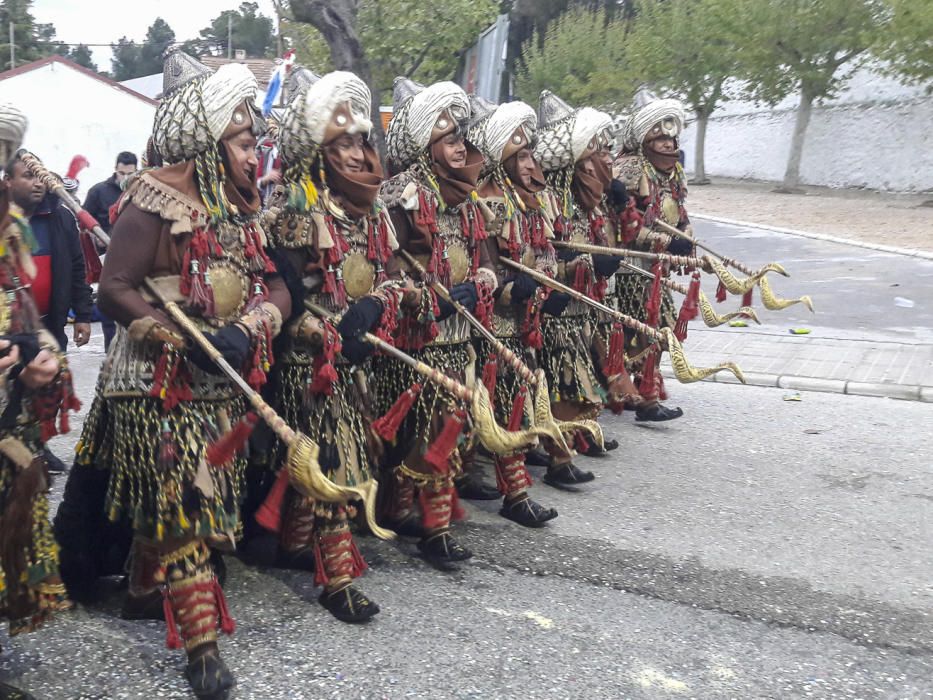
point(815, 363)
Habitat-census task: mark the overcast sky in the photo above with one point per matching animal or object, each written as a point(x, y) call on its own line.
point(105, 21)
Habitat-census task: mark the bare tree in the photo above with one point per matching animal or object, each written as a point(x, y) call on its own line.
point(336, 21)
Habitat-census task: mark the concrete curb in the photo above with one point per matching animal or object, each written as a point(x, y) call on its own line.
point(904, 392)
point(910, 252)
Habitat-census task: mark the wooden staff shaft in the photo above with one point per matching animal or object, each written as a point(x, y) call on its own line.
point(265, 411)
point(514, 360)
point(425, 370)
point(601, 250)
point(53, 183)
point(626, 320)
point(678, 260)
point(674, 231)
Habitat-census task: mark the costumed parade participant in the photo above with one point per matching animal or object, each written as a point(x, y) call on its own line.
point(567, 149)
point(656, 189)
point(431, 201)
point(35, 397)
point(187, 233)
point(519, 227)
point(327, 222)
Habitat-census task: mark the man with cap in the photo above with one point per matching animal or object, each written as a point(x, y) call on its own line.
point(35, 397)
point(326, 220)
point(519, 228)
point(431, 201)
point(191, 229)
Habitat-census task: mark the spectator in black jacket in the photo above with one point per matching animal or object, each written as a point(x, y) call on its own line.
point(105, 194)
point(99, 199)
point(59, 284)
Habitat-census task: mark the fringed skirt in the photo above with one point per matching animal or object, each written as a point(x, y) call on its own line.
point(159, 475)
point(567, 360)
point(28, 552)
point(391, 378)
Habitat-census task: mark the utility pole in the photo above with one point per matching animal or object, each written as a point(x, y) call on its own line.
point(12, 48)
point(230, 36)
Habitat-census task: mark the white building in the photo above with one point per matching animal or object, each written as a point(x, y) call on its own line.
point(72, 111)
point(875, 134)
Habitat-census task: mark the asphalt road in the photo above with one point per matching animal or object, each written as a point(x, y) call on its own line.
point(758, 548)
point(857, 292)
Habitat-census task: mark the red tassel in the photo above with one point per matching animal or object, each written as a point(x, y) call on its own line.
point(721, 292)
point(172, 638)
point(269, 514)
point(457, 513)
point(615, 357)
point(167, 451)
point(227, 625)
point(747, 297)
point(518, 409)
point(490, 370)
point(92, 266)
point(648, 387)
point(662, 390)
point(387, 426)
point(227, 447)
point(438, 454)
point(689, 309)
point(653, 303)
point(580, 442)
point(581, 279)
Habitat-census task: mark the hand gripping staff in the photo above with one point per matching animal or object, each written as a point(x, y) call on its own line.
point(303, 470)
point(494, 438)
point(87, 223)
point(683, 370)
point(710, 317)
point(543, 418)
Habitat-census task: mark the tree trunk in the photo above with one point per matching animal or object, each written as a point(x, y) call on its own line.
point(699, 165)
point(336, 21)
point(792, 174)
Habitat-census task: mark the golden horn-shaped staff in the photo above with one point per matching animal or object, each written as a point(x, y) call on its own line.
point(53, 183)
point(730, 281)
point(744, 269)
point(774, 303)
point(683, 370)
point(545, 421)
point(494, 438)
point(304, 471)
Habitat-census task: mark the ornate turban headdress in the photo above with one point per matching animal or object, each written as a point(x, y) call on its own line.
point(421, 116)
point(12, 129)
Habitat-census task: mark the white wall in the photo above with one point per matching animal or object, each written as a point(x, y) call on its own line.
point(72, 113)
point(875, 134)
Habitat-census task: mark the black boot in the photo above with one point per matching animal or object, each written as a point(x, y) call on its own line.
point(209, 676)
point(8, 692)
point(472, 488)
point(535, 458)
point(566, 475)
point(143, 607)
point(299, 560)
point(527, 512)
point(657, 413)
point(348, 604)
point(594, 450)
point(409, 526)
point(442, 548)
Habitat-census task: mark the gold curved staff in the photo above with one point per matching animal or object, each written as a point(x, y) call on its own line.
point(710, 317)
point(494, 438)
point(732, 283)
point(683, 370)
point(544, 420)
point(304, 470)
point(774, 303)
point(744, 269)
